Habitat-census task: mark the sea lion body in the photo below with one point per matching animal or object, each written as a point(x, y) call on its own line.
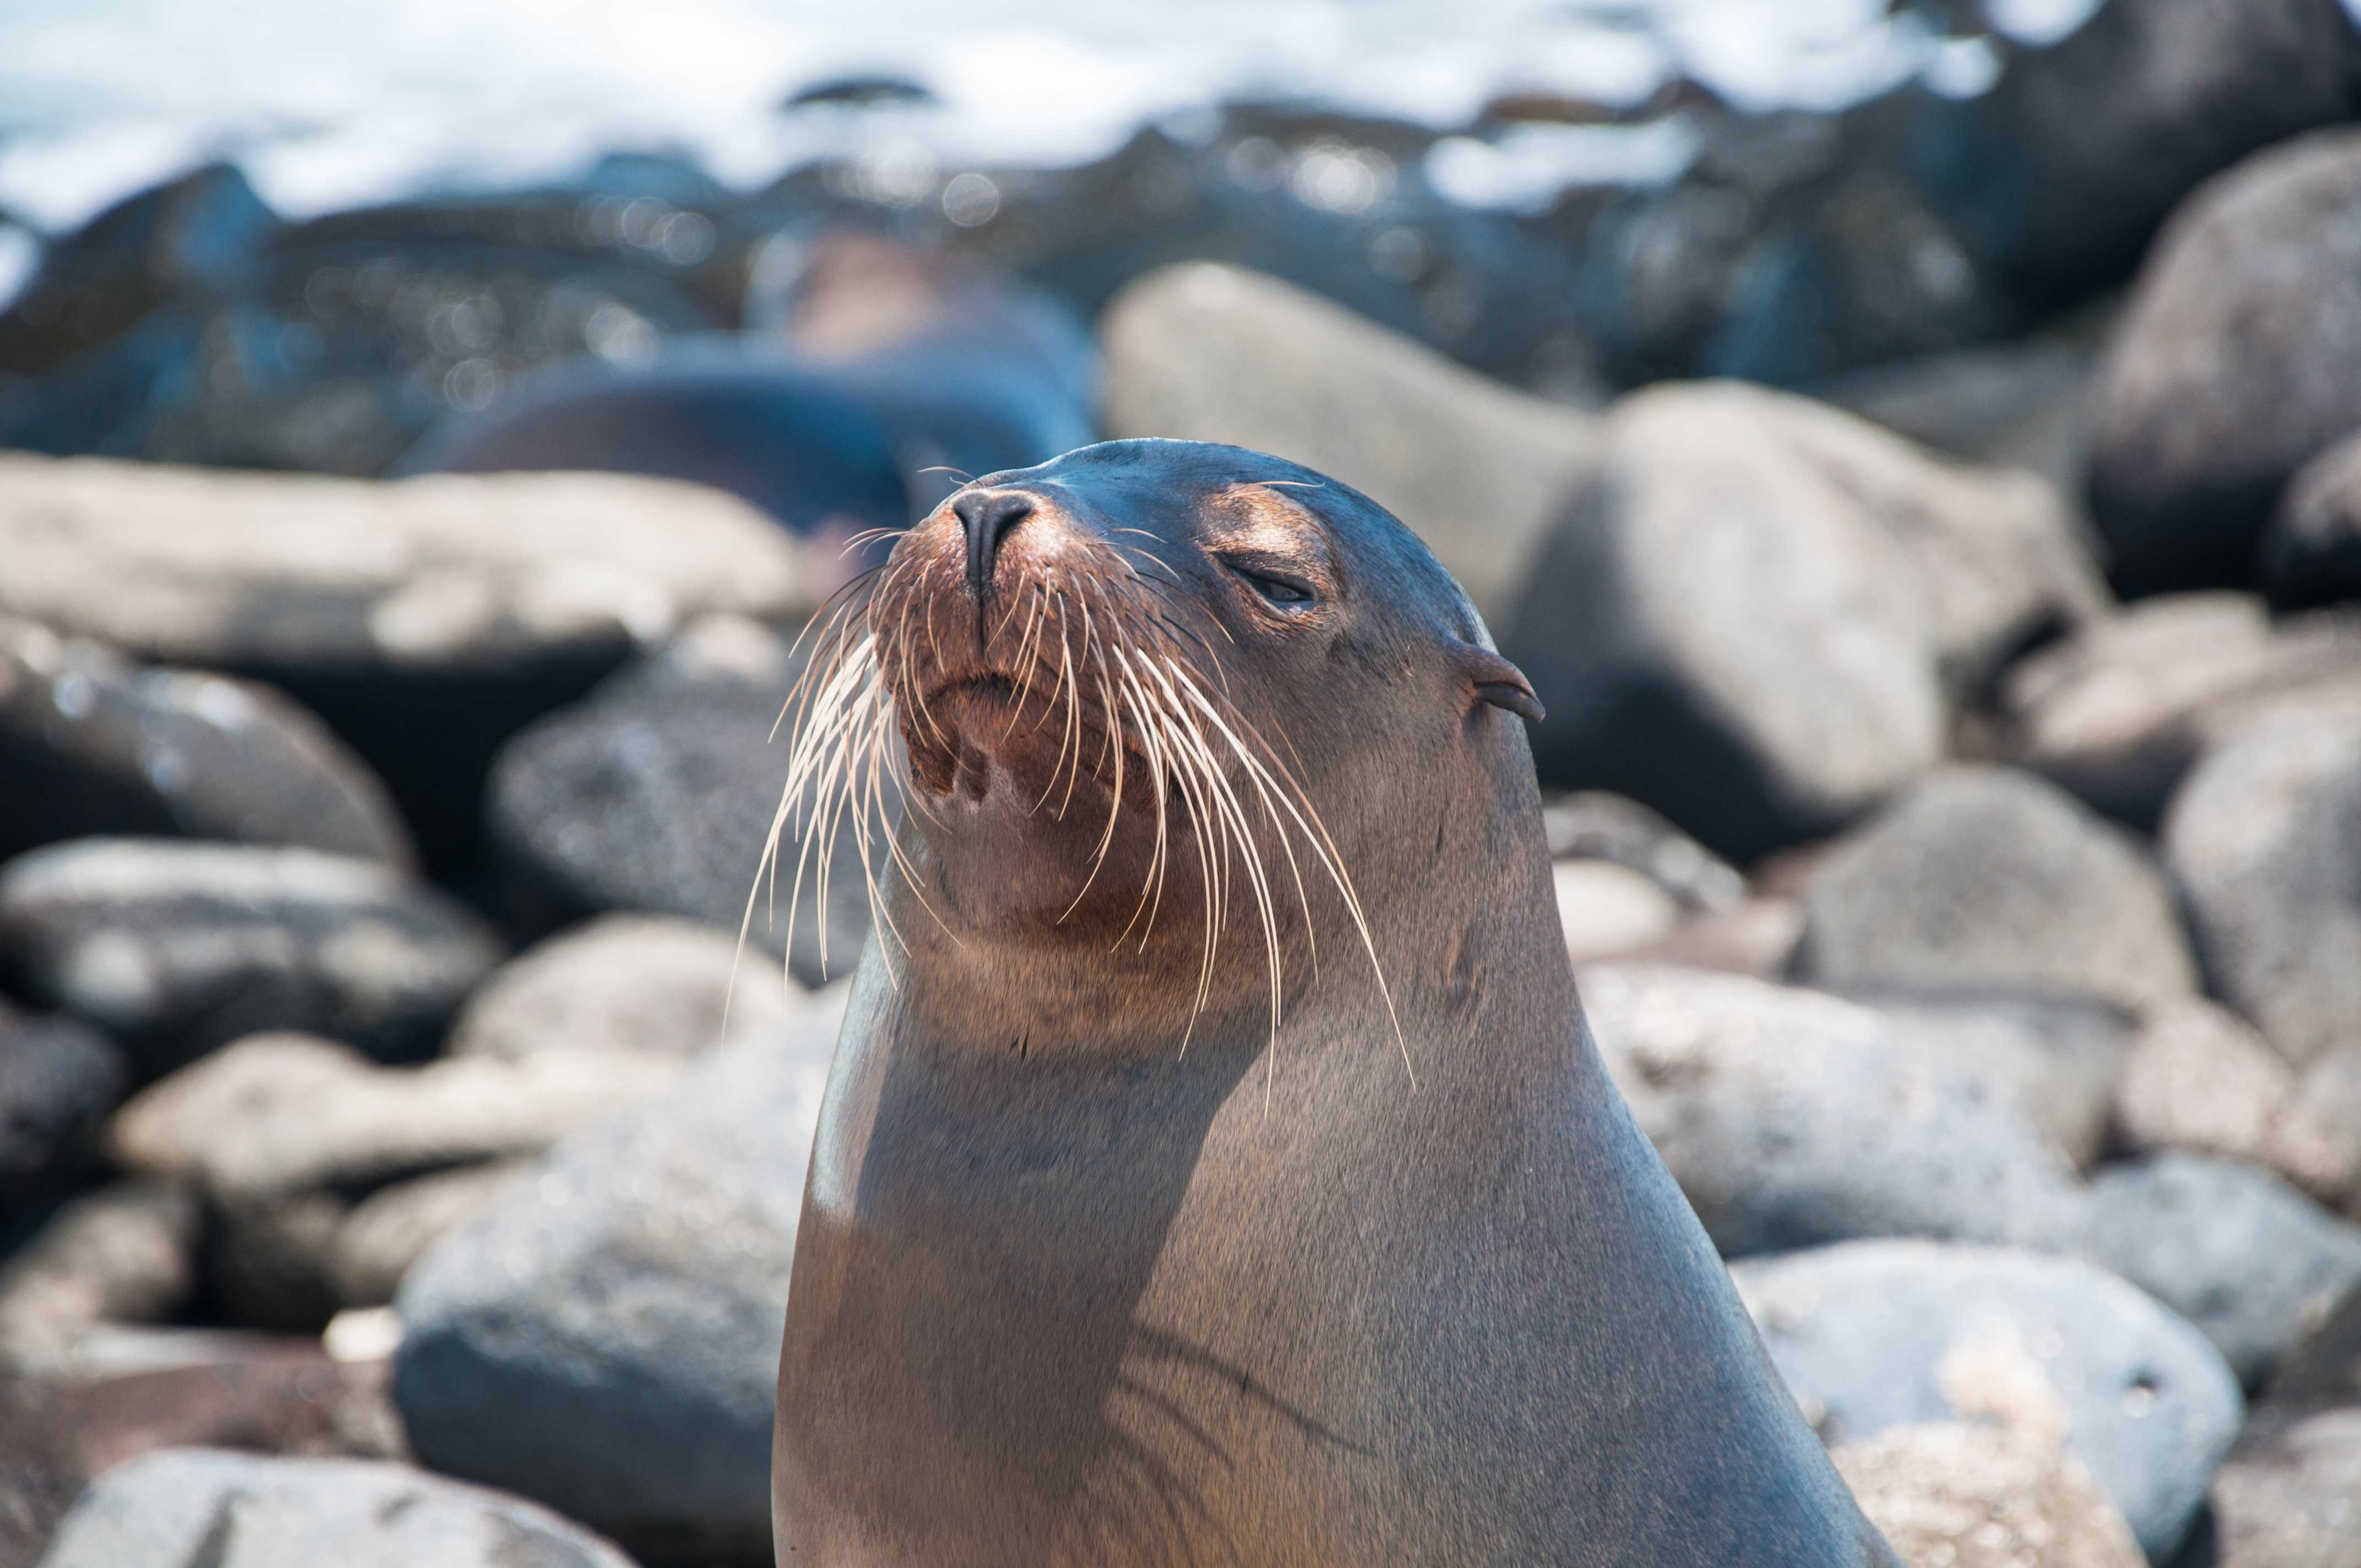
point(1065, 1292)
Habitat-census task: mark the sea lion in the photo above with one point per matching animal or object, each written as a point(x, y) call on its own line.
point(1324, 1242)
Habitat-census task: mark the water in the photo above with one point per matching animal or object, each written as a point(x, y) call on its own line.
point(327, 105)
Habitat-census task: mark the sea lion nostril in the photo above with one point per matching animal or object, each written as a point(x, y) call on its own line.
point(987, 516)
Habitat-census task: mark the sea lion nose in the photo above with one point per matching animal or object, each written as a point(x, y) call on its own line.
point(988, 515)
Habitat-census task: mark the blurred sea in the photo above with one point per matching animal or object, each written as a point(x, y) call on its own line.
point(327, 105)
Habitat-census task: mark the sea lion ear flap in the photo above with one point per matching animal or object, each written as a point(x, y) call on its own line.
point(1497, 682)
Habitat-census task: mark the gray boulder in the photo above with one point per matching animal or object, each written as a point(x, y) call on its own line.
point(1212, 352)
point(2251, 1261)
point(123, 1254)
point(1758, 615)
point(1876, 1334)
point(2238, 362)
point(1592, 825)
point(606, 1338)
point(2261, 839)
point(91, 744)
point(186, 1507)
point(174, 947)
point(1985, 877)
point(2289, 1493)
point(388, 1231)
point(58, 1081)
point(2199, 1080)
point(2057, 1059)
point(2311, 552)
point(1791, 1119)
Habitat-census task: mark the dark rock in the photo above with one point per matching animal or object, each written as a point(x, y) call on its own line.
point(1479, 471)
point(2118, 714)
point(459, 607)
point(90, 744)
point(582, 1345)
point(1948, 1495)
point(124, 1254)
point(1985, 877)
point(2199, 1080)
point(175, 947)
point(2261, 839)
point(179, 1506)
point(1758, 615)
point(862, 91)
point(1872, 1335)
point(58, 1081)
point(1791, 1119)
point(2234, 365)
point(2311, 553)
point(2251, 1261)
point(2288, 1496)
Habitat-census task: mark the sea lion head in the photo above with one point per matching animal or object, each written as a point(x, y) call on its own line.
point(1149, 687)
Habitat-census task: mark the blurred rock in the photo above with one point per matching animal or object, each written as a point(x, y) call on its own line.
point(455, 606)
point(124, 1254)
point(1608, 909)
point(2199, 1080)
point(2311, 552)
point(1981, 876)
point(2289, 1493)
point(393, 1227)
point(175, 947)
point(2118, 714)
point(1754, 938)
point(590, 1344)
point(2325, 1117)
point(1595, 825)
point(657, 795)
point(1211, 353)
point(2261, 839)
point(2234, 364)
point(1758, 615)
point(625, 983)
point(1877, 1334)
point(58, 1081)
point(1791, 1119)
point(90, 744)
point(1948, 1495)
point(2057, 1061)
point(179, 1506)
point(2251, 1261)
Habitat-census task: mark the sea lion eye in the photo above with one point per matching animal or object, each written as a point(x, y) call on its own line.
point(1284, 592)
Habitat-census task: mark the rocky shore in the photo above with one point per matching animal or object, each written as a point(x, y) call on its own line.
point(1934, 529)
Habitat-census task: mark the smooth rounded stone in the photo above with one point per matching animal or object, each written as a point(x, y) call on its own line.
point(2199, 1079)
point(1948, 1495)
point(58, 1079)
point(1206, 352)
point(2251, 1261)
point(1876, 1334)
point(1608, 908)
point(2262, 841)
point(2311, 552)
point(2324, 1128)
point(1754, 938)
point(2288, 1496)
point(1791, 1118)
point(606, 1338)
point(2238, 361)
point(392, 1228)
point(90, 744)
point(1595, 825)
point(123, 1254)
point(183, 1507)
point(1758, 615)
point(174, 947)
point(1985, 877)
point(625, 983)
point(2118, 714)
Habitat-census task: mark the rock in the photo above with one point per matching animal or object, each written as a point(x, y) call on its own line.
point(124, 1254)
point(2118, 714)
point(58, 1081)
point(1608, 909)
point(1212, 352)
point(1952, 1496)
point(2325, 1116)
point(2311, 552)
point(2057, 1061)
point(1754, 938)
point(395, 1226)
point(1790, 1118)
point(657, 796)
point(175, 947)
point(2234, 364)
point(625, 983)
point(2199, 1080)
point(1877, 1334)
point(181, 1506)
point(1595, 825)
point(2289, 1494)
point(91, 745)
point(2261, 840)
point(1757, 617)
point(1981, 876)
point(2251, 1261)
point(455, 606)
point(606, 1339)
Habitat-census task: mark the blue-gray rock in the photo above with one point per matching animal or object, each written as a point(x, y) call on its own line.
point(1985, 877)
point(1791, 1118)
point(2289, 1494)
point(2261, 839)
point(2252, 1262)
point(58, 1081)
point(606, 1338)
point(198, 1508)
point(1871, 1335)
point(174, 947)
